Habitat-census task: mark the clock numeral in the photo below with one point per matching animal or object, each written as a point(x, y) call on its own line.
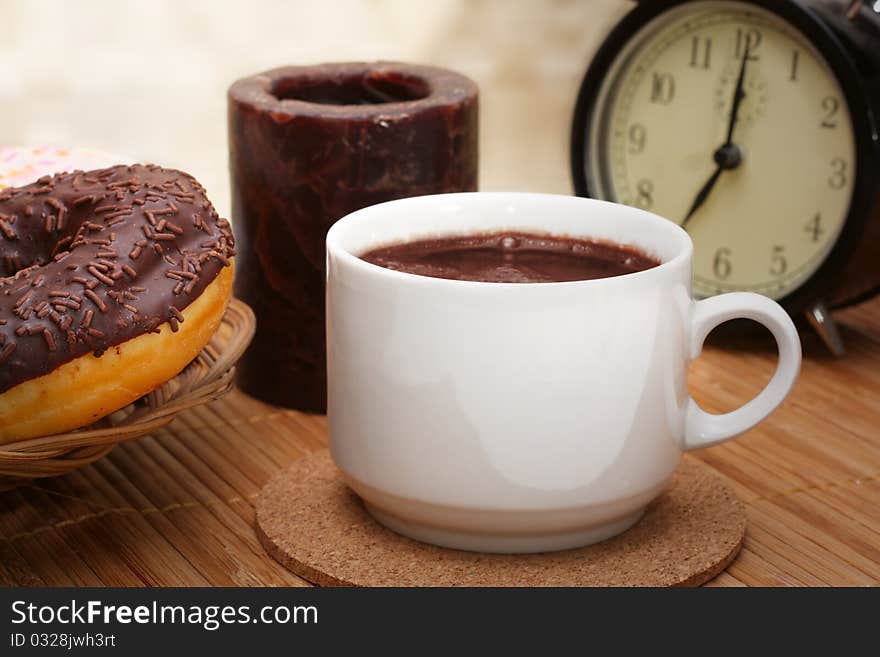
point(747, 40)
point(795, 56)
point(645, 195)
point(778, 263)
point(701, 57)
point(814, 228)
point(662, 88)
point(838, 177)
point(637, 136)
point(830, 104)
point(721, 265)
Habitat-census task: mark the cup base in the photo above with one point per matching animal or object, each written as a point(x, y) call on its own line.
point(503, 543)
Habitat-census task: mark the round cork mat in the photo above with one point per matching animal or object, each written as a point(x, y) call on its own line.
point(312, 523)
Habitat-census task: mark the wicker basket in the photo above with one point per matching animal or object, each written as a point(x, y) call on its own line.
point(206, 378)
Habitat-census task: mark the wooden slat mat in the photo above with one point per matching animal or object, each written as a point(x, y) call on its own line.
point(177, 508)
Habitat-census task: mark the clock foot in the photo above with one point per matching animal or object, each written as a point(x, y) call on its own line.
point(820, 318)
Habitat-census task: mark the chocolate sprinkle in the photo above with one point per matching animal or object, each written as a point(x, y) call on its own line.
point(56, 263)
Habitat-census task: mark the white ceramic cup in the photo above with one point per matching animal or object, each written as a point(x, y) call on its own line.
point(505, 417)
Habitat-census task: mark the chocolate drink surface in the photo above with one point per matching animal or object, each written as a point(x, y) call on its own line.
point(511, 257)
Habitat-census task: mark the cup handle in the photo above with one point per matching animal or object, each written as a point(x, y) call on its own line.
point(704, 429)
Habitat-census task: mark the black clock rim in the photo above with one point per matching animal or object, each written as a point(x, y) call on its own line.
point(820, 285)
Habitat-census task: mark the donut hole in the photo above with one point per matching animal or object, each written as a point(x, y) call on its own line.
point(367, 88)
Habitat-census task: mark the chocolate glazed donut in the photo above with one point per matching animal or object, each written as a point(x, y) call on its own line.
point(89, 261)
point(308, 145)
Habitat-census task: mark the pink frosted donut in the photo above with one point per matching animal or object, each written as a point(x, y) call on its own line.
point(20, 165)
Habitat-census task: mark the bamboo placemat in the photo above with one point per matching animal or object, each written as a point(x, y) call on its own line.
point(176, 508)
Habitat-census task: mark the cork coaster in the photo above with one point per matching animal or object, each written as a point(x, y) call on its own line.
point(310, 522)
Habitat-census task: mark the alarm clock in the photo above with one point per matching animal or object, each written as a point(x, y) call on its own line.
point(753, 124)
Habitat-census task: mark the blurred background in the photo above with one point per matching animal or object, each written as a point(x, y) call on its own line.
point(149, 79)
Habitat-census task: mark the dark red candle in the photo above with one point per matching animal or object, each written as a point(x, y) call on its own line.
point(308, 145)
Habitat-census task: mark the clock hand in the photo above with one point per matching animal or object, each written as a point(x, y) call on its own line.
point(728, 155)
point(702, 195)
point(738, 95)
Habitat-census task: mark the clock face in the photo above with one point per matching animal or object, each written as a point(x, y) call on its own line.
point(765, 210)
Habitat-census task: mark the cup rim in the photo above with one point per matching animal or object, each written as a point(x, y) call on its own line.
point(334, 235)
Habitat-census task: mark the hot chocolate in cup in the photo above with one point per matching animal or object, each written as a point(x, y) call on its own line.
point(522, 417)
